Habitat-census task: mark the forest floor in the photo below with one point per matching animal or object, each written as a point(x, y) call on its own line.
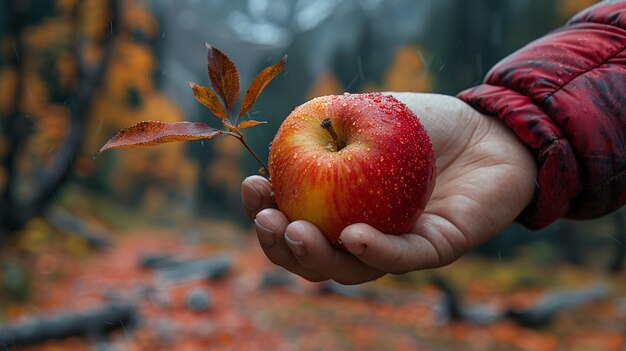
point(256, 306)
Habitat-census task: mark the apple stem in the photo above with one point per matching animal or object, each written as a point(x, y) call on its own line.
point(239, 136)
point(328, 125)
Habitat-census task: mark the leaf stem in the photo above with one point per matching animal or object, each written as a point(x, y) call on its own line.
point(239, 136)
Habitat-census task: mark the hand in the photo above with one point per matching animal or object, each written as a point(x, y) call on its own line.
point(485, 178)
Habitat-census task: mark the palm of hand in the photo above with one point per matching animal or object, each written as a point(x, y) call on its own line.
point(485, 177)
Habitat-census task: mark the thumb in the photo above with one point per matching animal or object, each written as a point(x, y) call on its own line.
point(390, 253)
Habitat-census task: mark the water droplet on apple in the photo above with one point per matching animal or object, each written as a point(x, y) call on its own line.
point(319, 164)
point(349, 157)
point(329, 165)
point(398, 124)
point(344, 104)
point(295, 155)
point(382, 158)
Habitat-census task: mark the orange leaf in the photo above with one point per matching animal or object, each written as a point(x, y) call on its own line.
point(208, 98)
point(259, 83)
point(242, 125)
point(149, 133)
point(223, 75)
point(227, 124)
point(249, 123)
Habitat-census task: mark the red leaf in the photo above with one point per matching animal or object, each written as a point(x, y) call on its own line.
point(259, 83)
point(149, 133)
point(208, 98)
point(223, 75)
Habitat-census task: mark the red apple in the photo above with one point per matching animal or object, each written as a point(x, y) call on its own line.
point(352, 158)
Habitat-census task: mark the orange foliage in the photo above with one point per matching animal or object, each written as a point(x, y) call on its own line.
point(8, 78)
point(407, 71)
point(50, 45)
point(130, 72)
point(326, 84)
point(245, 316)
point(224, 172)
point(567, 8)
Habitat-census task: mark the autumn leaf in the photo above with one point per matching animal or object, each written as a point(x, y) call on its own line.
point(228, 125)
point(220, 100)
point(259, 83)
point(249, 123)
point(208, 98)
point(223, 75)
point(242, 125)
point(149, 133)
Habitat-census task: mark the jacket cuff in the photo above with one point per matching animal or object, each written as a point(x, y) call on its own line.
point(558, 177)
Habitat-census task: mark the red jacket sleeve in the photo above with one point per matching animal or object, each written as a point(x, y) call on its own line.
point(564, 95)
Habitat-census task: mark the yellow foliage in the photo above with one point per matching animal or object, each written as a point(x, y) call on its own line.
point(136, 17)
point(35, 235)
point(131, 68)
point(567, 8)
point(224, 173)
point(407, 72)
point(52, 127)
point(35, 94)
point(50, 33)
point(8, 80)
point(76, 245)
point(66, 71)
point(370, 87)
point(166, 165)
point(91, 53)
point(93, 19)
point(65, 6)
point(326, 84)
point(227, 147)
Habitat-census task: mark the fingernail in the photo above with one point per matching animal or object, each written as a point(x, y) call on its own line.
point(251, 197)
point(356, 249)
point(265, 234)
point(296, 246)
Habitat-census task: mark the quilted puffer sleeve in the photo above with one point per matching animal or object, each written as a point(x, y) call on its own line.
point(564, 95)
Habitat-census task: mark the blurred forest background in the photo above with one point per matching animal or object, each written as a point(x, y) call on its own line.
point(74, 72)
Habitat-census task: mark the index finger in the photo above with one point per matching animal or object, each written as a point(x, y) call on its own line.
point(257, 195)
